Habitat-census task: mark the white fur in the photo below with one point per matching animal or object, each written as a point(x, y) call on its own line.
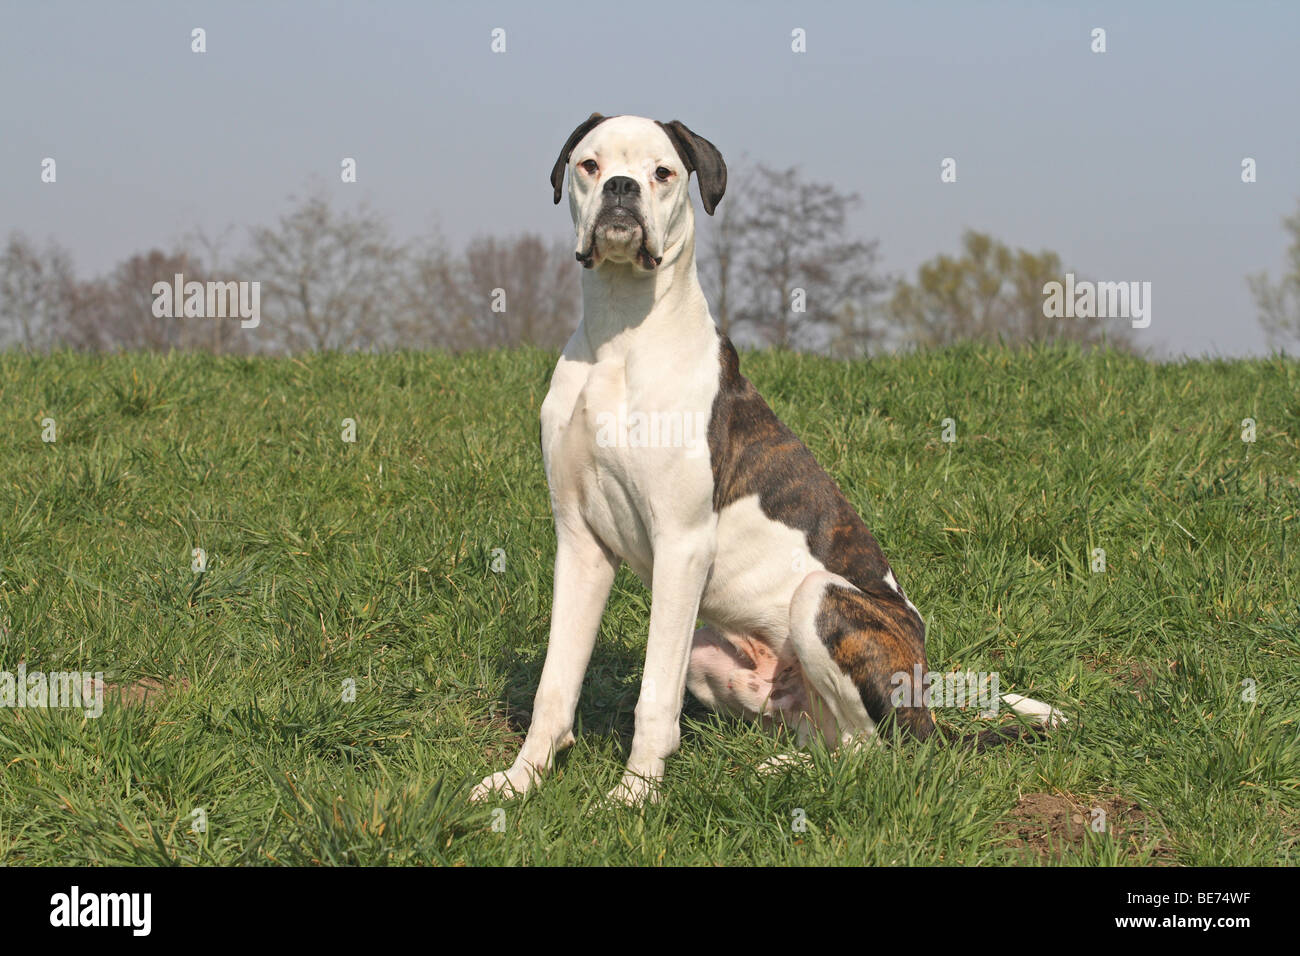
point(647, 341)
point(893, 583)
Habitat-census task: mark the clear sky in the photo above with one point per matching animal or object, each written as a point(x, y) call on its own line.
point(1127, 163)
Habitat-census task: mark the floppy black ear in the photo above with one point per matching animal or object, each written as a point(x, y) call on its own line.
point(701, 158)
point(585, 127)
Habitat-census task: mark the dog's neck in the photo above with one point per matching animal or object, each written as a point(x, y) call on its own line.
point(620, 302)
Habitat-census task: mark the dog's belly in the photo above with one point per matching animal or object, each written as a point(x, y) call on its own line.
point(759, 564)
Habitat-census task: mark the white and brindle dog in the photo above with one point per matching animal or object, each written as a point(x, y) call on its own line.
point(808, 627)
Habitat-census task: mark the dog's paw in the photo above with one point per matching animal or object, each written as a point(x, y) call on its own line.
point(783, 763)
point(505, 784)
point(634, 791)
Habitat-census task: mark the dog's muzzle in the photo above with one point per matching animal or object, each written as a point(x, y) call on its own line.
point(619, 224)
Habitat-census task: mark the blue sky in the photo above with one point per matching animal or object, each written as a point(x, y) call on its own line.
point(1126, 163)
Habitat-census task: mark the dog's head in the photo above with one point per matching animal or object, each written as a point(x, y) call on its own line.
point(628, 187)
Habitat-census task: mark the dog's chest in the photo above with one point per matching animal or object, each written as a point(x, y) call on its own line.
point(628, 451)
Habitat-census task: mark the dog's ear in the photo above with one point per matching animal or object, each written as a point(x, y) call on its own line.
point(557, 173)
point(701, 158)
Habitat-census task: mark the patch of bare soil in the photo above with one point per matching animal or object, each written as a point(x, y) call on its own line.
point(142, 692)
point(1052, 826)
point(1140, 678)
point(507, 726)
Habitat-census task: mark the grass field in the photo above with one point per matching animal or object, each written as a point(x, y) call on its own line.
point(370, 562)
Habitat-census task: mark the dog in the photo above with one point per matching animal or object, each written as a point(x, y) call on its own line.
point(807, 626)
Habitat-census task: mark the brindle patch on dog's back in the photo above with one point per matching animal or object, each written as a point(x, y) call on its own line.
point(871, 634)
point(753, 452)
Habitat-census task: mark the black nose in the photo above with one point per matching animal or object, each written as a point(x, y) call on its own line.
point(622, 186)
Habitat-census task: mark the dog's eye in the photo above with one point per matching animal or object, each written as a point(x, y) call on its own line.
point(663, 173)
point(590, 166)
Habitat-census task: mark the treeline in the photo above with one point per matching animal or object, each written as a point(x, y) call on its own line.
point(329, 279)
point(778, 263)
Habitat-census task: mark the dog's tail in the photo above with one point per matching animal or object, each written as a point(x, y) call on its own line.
point(1042, 719)
point(877, 639)
point(993, 737)
point(1039, 720)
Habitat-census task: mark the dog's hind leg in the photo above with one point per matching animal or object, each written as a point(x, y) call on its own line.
point(855, 653)
point(859, 651)
point(739, 675)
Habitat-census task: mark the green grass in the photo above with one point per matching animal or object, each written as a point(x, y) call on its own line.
point(370, 561)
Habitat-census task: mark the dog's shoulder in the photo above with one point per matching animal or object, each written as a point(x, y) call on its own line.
point(754, 453)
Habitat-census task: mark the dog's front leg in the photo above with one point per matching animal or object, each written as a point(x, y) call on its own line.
point(681, 569)
point(584, 574)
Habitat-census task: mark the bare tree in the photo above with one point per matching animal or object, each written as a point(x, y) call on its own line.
point(217, 335)
point(330, 280)
point(36, 286)
point(433, 311)
point(521, 290)
point(84, 329)
point(721, 245)
point(125, 316)
point(1279, 305)
point(784, 270)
